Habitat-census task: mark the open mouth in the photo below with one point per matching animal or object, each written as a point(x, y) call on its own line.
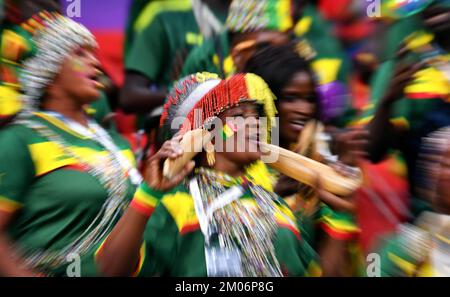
point(95, 79)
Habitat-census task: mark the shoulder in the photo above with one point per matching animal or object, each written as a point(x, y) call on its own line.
point(119, 140)
point(160, 10)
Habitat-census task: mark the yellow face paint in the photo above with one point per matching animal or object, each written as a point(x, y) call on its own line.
point(77, 65)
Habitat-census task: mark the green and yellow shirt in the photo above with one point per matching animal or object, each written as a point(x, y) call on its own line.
point(174, 243)
point(330, 61)
point(211, 56)
point(165, 30)
point(54, 198)
point(214, 54)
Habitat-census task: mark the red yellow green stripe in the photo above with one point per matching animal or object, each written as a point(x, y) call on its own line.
point(145, 200)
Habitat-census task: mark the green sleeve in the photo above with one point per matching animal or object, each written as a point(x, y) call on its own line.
point(136, 7)
point(150, 51)
point(16, 168)
point(160, 237)
point(405, 111)
point(295, 254)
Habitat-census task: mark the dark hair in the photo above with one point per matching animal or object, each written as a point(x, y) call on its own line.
point(277, 65)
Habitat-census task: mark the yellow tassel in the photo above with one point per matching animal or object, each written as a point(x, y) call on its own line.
point(258, 89)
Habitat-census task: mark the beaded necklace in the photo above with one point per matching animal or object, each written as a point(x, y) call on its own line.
point(239, 240)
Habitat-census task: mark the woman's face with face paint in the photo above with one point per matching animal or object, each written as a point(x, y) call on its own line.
point(78, 77)
point(240, 134)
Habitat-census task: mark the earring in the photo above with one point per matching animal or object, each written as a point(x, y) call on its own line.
point(210, 154)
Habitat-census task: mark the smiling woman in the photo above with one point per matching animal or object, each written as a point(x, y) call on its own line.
point(327, 217)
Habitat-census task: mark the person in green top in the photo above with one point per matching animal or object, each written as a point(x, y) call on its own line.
point(165, 32)
point(328, 219)
point(250, 24)
point(422, 249)
point(224, 219)
point(64, 180)
point(135, 9)
point(228, 53)
point(410, 95)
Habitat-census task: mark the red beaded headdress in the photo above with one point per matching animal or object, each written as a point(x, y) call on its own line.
point(228, 93)
point(221, 96)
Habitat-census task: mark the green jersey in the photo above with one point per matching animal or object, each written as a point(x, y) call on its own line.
point(212, 56)
point(15, 46)
point(54, 197)
point(136, 7)
point(166, 32)
point(175, 244)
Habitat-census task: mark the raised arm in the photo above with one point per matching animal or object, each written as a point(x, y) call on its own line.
point(119, 254)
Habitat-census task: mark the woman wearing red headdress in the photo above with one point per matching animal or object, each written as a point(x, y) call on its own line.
point(224, 219)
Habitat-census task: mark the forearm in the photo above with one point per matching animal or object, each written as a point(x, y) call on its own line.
point(381, 130)
point(119, 254)
point(337, 203)
point(11, 265)
point(140, 100)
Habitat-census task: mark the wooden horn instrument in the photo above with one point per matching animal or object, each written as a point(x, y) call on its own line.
point(289, 163)
point(192, 144)
point(307, 171)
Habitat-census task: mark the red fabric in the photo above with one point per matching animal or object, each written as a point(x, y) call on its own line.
point(111, 53)
point(111, 56)
point(334, 9)
point(372, 220)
